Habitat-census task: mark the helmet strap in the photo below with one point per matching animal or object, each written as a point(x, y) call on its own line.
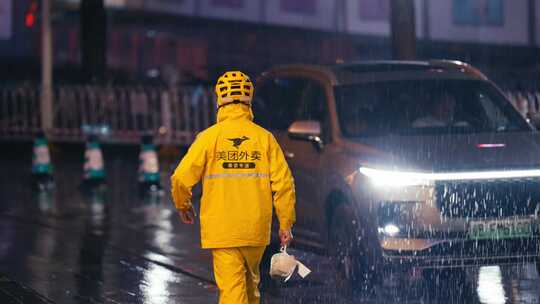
point(233, 102)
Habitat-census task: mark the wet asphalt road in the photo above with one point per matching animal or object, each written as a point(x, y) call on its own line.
point(65, 249)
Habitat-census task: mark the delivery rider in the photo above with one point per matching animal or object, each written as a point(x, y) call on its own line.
point(244, 174)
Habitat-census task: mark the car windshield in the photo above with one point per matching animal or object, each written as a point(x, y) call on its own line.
point(416, 107)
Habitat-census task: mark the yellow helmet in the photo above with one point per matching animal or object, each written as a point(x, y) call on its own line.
point(234, 87)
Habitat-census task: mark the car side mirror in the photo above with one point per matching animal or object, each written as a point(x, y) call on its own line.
point(308, 130)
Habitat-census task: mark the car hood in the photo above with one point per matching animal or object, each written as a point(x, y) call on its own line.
point(454, 152)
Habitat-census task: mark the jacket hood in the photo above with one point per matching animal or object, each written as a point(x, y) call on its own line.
point(234, 112)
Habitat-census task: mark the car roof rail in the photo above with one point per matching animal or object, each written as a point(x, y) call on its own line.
point(403, 65)
point(382, 66)
point(458, 65)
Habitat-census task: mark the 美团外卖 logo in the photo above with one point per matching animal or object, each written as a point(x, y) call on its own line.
point(238, 141)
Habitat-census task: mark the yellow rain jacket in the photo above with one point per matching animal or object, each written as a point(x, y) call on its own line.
point(243, 170)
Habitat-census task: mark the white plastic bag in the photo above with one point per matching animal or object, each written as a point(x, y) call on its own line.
point(282, 265)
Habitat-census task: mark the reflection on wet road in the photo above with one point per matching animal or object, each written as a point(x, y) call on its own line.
point(64, 248)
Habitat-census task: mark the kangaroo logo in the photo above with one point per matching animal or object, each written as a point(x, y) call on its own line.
point(238, 141)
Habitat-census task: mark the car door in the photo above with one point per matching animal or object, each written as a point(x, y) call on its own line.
point(305, 157)
point(280, 102)
point(277, 104)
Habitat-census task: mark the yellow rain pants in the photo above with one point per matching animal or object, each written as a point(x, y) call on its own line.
point(237, 274)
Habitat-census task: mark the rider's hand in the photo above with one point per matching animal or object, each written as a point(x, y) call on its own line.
point(285, 236)
point(187, 216)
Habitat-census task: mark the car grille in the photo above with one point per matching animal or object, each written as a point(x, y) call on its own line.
point(489, 199)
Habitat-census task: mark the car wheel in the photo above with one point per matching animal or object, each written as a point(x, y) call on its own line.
point(354, 274)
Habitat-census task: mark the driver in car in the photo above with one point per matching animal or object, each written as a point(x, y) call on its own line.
point(441, 112)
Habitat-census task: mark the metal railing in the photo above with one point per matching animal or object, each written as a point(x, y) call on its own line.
point(527, 102)
point(125, 113)
point(116, 114)
point(19, 111)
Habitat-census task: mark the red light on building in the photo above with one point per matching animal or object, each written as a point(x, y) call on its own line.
point(29, 20)
point(31, 14)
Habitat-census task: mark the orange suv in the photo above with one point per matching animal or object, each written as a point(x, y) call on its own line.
point(404, 164)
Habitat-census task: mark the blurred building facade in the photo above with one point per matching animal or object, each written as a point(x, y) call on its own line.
point(199, 38)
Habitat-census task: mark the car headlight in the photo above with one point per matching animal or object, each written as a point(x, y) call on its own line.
point(390, 230)
point(393, 218)
point(381, 177)
point(396, 178)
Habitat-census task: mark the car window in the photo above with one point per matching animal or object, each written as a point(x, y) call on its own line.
point(261, 103)
point(424, 107)
point(314, 103)
point(496, 117)
point(315, 107)
point(277, 103)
